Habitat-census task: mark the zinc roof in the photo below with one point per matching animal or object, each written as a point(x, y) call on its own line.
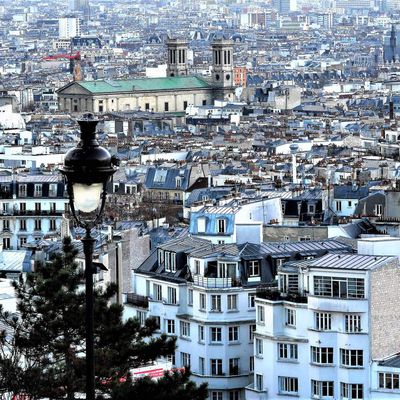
point(350, 261)
point(145, 84)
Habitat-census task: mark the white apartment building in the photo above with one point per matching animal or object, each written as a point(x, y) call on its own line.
point(204, 294)
point(31, 208)
point(321, 342)
point(69, 27)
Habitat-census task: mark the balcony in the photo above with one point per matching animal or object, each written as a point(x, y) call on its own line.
point(213, 283)
point(274, 294)
point(137, 300)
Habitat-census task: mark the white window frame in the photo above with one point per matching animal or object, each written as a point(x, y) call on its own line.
point(322, 321)
point(233, 333)
point(215, 334)
point(216, 302)
point(288, 385)
point(290, 317)
point(254, 268)
point(232, 300)
point(352, 323)
point(287, 352)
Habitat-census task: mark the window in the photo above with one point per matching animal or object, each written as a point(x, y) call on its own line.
point(290, 317)
point(53, 207)
point(141, 316)
point(287, 384)
point(172, 295)
point(321, 389)
point(216, 395)
point(52, 224)
point(221, 225)
point(204, 103)
point(160, 256)
point(202, 301)
point(6, 224)
point(351, 358)
point(197, 267)
point(201, 366)
point(323, 321)
point(259, 382)
point(254, 268)
point(201, 333)
point(260, 314)
point(38, 207)
point(185, 104)
point(351, 391)
point(234, 395)
point(190, 297)
point(53, 190)
point(232, 301)
point(215, 302)
point(22, 190)
point(233, 333)
point(322, 355)
point(352, 323)
point(22, 241)
point(389, 380)
point(6, 243)
point(311, 208)
point(185, 359)
point(233, 366)
point(38, 224)
point(22, 207)
point(251, 297)
point(378, 210)
point(157, 292)
point(349, 203)
point(147, 106)
point(170, 326)
point(287, 351)
point(251, 363)
point(252, 329)
point(37, 190)
point(259, 347)
point(178, 183)
point(166, 106)
point(339, 287)
point(216, 366)
point(288, 282)
point(216, 334)
point(338, 206)
point(185, 329)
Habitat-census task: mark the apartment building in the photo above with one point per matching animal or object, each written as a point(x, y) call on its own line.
point(31, 208)
point(204, 294)
point(317, 336)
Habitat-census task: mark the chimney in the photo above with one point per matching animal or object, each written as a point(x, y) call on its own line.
point(391, 109)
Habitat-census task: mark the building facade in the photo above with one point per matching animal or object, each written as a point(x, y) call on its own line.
point(317, 336)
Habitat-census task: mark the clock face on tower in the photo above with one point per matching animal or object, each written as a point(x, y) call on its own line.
point(217, 77)
point(227, 77)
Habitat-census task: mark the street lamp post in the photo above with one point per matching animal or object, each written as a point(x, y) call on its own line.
point(87, 169)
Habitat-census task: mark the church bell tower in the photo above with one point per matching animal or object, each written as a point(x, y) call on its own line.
point(177, 57)
point(222, 71)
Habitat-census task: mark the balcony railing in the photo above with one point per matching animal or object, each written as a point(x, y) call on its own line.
point(275, 295)
point(137, 300)
point(207, 282)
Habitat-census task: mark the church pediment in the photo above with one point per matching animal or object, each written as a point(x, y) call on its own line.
point(73, 88)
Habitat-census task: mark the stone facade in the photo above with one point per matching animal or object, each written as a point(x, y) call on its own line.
point(384, 307)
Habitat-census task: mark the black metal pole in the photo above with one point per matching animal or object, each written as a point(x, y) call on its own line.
point(88, 245)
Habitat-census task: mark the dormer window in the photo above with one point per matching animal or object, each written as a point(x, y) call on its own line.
point(170, 261)
point(178, 181)
point(160, 256)
point(221, 225)
point(38, 190)
point(53, 190)
point(254, 268)
point(201, 225)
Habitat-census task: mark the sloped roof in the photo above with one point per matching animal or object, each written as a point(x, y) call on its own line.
point(145, 84)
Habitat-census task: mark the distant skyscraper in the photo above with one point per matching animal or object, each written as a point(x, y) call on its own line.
point(285, 6)
point(82, 6)
point(69, 27)
point(391, 48)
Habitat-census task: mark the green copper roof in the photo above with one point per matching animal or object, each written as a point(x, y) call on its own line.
point(152, 84)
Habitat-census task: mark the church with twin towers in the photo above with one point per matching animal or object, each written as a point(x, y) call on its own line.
point(173, 93)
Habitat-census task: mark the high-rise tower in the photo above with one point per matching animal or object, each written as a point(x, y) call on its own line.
point(177, 57)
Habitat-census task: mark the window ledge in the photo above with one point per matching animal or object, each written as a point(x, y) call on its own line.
point(288, 360)
point(215, 344)
point(232, 311)
point(352, 367)
point(288, 394)
point(321, 365)
point(185, 338)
